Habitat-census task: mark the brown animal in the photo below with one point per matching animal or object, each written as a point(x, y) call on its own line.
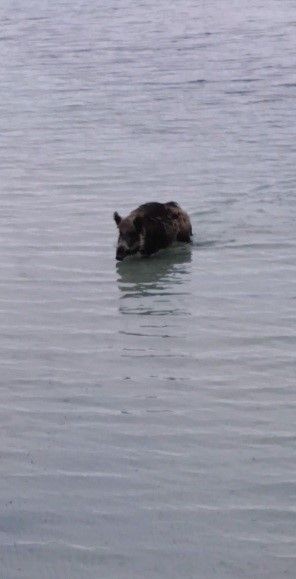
point(151, 227)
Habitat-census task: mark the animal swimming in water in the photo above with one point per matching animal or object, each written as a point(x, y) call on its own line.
point(151, 227)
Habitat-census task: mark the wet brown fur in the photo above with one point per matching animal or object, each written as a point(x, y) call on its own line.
point(151, 227)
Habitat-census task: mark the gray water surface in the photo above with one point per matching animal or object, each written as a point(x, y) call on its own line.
point(147, 407)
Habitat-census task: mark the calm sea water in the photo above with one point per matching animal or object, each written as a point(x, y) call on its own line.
point(147, 407)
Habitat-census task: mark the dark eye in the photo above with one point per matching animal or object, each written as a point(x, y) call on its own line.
point(133, 236)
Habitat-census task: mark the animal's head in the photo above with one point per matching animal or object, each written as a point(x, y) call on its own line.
point(129, 238)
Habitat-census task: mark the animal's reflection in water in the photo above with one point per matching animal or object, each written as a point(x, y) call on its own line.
point(154, 286)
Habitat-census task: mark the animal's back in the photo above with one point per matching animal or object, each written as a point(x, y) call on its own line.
point(152, 210)
point(178, 221)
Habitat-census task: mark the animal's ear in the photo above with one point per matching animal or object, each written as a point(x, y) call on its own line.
point(117, 218)
point(138, 224)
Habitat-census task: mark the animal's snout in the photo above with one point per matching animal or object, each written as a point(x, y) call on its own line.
point(120, 253)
